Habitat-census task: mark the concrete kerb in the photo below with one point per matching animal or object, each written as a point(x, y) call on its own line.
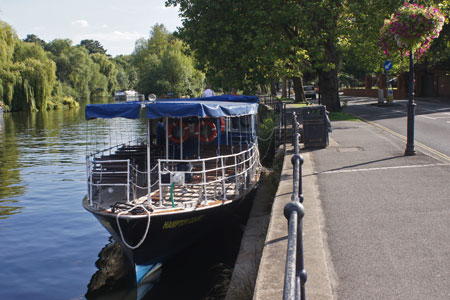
point(270, 279)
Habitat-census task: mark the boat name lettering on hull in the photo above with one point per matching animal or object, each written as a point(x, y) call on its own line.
point(179, 223)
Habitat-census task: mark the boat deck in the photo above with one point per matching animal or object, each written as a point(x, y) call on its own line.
point(120, 176)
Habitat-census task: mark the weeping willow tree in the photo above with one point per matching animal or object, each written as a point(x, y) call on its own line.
point(8, 39)
point(27, 75)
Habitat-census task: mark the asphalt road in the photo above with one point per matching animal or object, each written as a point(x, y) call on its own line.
point(386, 216)
point(432, 121)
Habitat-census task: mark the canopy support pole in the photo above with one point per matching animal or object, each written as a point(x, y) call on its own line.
point(149, 167)
point(167, 137)
point(227, 128)
point(240, 135)
point(219, 121)
point(181, 138)
point(198, 137)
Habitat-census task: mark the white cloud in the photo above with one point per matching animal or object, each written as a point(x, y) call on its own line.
point(80, 23)
point(114, 36)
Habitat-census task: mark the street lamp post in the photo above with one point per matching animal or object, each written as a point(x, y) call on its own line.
point(411, 107)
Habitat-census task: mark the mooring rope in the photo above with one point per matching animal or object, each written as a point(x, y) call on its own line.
point(269, 137)
point(268, 148)
point(146, 229)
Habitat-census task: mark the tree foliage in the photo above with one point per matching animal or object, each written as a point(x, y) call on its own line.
point(27, 75)
point(163, 66)
point(127, 76)
point(93, 46)
point(244, 42)
point(82, 74)
point(34, 74)
point(248, 42)
point(32, 38)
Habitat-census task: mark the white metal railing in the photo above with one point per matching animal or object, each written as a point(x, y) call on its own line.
point(109, 150)
point(243, 165)
point(99, 173)
point(233, 171)
point(105, 172)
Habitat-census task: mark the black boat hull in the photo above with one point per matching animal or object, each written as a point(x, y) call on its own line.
point(168, 234)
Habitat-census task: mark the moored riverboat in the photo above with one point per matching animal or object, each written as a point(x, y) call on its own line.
point(127, 95)
point(191, 170)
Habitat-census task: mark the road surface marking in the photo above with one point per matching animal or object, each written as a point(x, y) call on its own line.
point(402, 137)
point(427, 117)
point(383, 168)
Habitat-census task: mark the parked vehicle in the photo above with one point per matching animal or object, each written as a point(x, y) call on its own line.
point(309, 92)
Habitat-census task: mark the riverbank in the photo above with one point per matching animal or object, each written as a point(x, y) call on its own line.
point(264, 244)
point(247, 263)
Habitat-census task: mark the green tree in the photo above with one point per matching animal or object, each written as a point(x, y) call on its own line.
point(108, 70)
point(93, 46)
point(127, 75)
point(8, 40)
point(247, 38)
point(163, 66)
point(27, 75)
point(36, 77)
point(32, 38)
point(79, 75)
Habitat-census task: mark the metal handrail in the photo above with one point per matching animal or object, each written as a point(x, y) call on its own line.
point(248, 163)
point(276, 104)
point(295, 276)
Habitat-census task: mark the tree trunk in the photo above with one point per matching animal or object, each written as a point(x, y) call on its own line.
point(283, 88)
point(273, 88)
point(329, 90)
point(298, 89)
point(329, 87)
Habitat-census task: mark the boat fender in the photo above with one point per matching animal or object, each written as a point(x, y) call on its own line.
point(213, 128)
point(186, 134)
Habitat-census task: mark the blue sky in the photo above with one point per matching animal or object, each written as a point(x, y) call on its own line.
point(116, 24)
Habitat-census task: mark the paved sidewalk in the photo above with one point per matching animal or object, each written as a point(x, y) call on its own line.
point(376, 223)
point(270, 281)
point(386, 216)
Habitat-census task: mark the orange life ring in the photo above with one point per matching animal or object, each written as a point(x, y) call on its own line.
point(213, 134)
point(222, 125)
point(176, 124)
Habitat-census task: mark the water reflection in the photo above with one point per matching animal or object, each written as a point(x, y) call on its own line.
point(10, 186)
point(35, 143)
point(48, 242)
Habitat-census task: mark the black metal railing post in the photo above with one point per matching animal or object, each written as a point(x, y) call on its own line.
point(295, 276)
point(285, 123)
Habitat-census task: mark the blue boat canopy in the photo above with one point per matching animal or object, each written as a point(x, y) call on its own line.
point(129, 110)
point(217, 106)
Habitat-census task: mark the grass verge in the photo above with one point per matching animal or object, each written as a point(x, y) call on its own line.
point(342, 116)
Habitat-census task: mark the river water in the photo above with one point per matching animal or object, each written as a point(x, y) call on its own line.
point(49, 245)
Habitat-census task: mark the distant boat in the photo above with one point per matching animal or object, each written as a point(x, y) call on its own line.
point(128, 95)
point(156, 196)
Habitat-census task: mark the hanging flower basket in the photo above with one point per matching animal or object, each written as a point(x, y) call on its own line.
point(411, 27)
